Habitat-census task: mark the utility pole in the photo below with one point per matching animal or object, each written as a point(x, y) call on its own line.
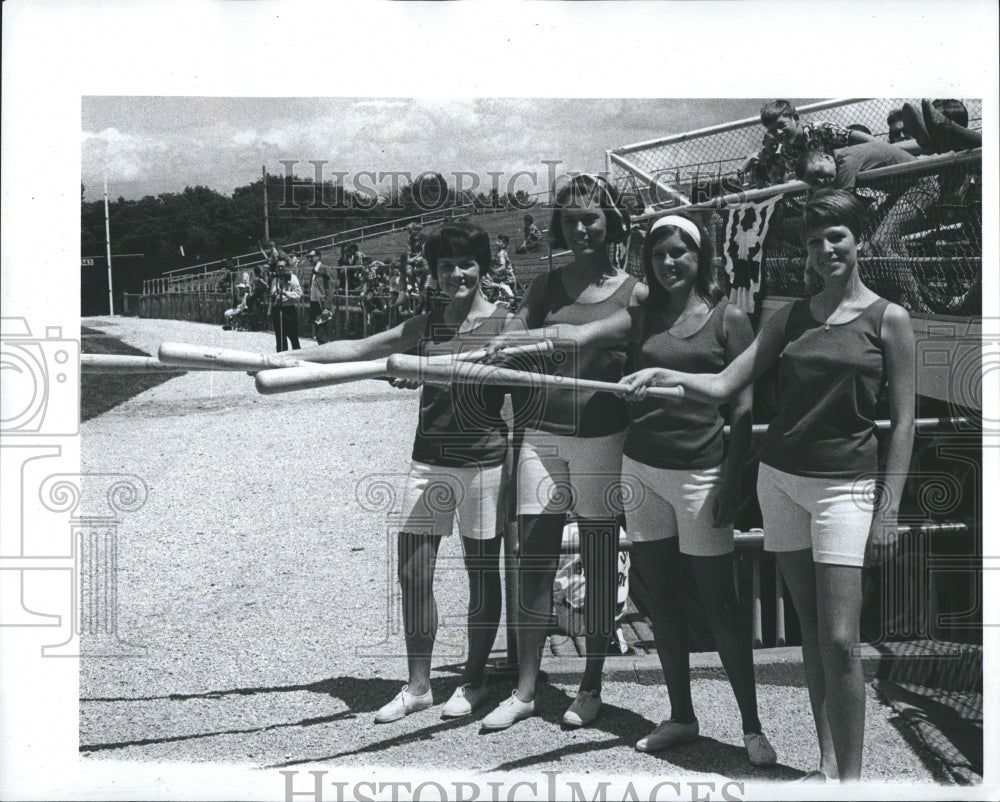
point(107, 242)
point(267, 230)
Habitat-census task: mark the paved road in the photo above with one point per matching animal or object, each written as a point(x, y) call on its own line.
point(258, 574)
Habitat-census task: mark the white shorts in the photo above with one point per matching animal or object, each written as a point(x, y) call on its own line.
point(662, 503)
point(830, 516)
point(434, 496)
point(560, 474)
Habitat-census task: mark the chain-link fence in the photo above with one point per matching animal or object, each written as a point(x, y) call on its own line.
point(711, 155)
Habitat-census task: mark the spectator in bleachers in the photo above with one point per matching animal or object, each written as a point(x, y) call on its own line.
point(840, 169)
point(791, 137)
point(320, 290)
point(272, 253)
point(415, 242)
point(910, 206)
point(532, 236)
point(397, 295)
point(243, 292)
point(897, 131)
point(499, 281)
point(941, 125)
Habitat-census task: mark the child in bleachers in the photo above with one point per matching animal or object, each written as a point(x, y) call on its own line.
point(791, 137)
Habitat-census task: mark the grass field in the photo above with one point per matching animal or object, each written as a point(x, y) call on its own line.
point(100, 392)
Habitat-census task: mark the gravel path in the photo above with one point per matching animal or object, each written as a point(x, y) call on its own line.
point(259, 575)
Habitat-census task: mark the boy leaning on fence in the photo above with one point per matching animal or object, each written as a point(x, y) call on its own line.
point(790, 137)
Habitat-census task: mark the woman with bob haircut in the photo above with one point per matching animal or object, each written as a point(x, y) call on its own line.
point(456, 469)
point(828, 506)
point(570, 460)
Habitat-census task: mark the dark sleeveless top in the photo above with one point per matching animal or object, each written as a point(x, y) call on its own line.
point(460, 425)
point(568, 411)
point(829, 383)
point(686, 434)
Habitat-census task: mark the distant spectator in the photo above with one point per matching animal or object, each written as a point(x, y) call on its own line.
point(941, 125)
point(532, 236)
point(908, 210)
point(415, 242)
point(258, 290)
point(352, 257)
point(320, 290)
point(243, 293)
point(791, 137)
point(397, 296)
point(498, 283)
point(897, 131)
point(272, 253)
point(285, 291)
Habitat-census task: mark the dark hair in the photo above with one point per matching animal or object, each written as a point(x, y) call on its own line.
point(586, 188)
point(864, 129)
point(529, 219)
point(954, 110)
point(835, 207)
point(706, 283)
point(805, 159)
point(770, 112)
point(504, 239)
point(459, 239)
point(894, 115)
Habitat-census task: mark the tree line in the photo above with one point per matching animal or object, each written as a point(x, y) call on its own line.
point(177, 229)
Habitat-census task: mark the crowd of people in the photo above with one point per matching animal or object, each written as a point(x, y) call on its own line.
point(383, 293)
point(662, 468)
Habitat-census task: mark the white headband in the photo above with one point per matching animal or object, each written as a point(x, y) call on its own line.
point(682, 223)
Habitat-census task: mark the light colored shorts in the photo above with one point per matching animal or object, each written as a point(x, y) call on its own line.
point(662, 503)
point(433, 497)
point(559, 474)
point(830, 516)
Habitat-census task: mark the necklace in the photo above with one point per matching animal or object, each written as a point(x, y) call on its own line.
point(831, 317)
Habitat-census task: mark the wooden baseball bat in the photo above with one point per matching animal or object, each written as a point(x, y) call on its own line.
point(121, 363)
point(311, 375)
point(207, 358)
point(403, 366)
point(308, 376)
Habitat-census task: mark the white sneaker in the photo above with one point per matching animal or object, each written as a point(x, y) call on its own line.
point(464, 700)
point(583, 710)
point(507, 712)
point(403, 704)
point(668, 733)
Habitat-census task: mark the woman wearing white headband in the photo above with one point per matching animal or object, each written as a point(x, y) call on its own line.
point(570, 460)
point(681, 494)
point(820, 468)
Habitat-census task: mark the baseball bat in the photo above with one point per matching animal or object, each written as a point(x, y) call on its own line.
point(403, 366)
point(311, 375)
point(206, 358)
point(120, 363)
point(308, 376)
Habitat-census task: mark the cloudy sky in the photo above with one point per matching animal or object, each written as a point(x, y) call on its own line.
point(150, 145)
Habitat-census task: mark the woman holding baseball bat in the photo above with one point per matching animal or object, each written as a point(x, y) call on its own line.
point(456, 469)
point(817, 484)
point(571, 456)
point(682, 494)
